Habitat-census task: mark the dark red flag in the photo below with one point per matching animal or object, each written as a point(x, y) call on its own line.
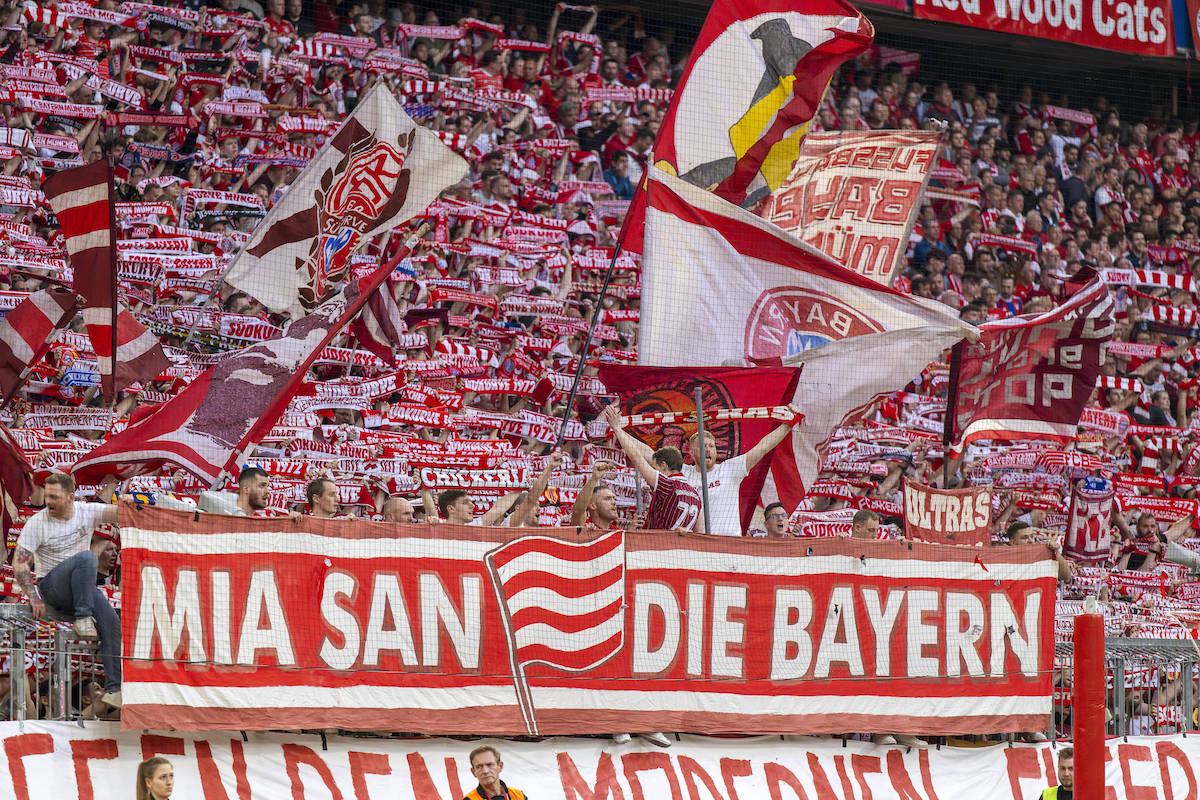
point(1030, 377)
point(16, 480)
point(653, 389)
point(381, 322)
point(209, 427)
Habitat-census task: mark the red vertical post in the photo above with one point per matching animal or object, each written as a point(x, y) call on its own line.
point(1088, 706)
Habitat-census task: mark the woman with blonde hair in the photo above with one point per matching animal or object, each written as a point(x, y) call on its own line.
point(155, 779)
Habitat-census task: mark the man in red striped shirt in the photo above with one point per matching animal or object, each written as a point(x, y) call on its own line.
point(674, 504)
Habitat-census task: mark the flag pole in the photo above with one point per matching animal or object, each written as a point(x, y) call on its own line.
point(109, 393)
point(702, 459)
point(951, 402)
point(587, 342)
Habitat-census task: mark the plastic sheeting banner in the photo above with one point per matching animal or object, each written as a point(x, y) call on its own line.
point(65, 762)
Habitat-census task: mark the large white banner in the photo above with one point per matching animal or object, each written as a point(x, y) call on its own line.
point(42, 760)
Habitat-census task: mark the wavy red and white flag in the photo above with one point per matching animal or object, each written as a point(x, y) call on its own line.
point(82, 199)
point(721, 286)
point(381, 323)
point(209, 427)
point(563, 605)
point(379, 170)
point(1030, 377)
point(753, 83)
point(28, 331)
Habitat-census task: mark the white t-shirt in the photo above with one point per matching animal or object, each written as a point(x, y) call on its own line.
point(724, 481)
point(52, 541)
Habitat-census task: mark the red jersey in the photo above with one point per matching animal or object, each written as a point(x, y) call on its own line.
point(674, 504)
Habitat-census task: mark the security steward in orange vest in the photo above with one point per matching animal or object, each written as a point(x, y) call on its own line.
point(1066, 777)
point(486, 766)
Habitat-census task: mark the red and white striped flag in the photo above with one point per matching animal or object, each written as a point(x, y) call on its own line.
point(723, 286)
point(208, 428)
point(1030, 377)
point(563, 604)
point(82, 199)
point(27, 332)
point(381, 322)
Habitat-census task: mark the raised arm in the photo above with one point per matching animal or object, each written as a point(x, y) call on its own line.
point(498, 509)
point(533, 497)
point(579, 509)
point(636, 455)
point(770, 441)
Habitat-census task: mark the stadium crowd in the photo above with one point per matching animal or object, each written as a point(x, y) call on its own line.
point(557, 116)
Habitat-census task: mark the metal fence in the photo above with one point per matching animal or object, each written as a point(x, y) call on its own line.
point(59, 671)
point(1152, 686)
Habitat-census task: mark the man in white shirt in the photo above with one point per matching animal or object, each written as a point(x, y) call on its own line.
point(725, 478)
point(56, 542)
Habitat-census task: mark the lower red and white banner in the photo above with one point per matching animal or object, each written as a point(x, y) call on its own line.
point(62, 761)
point(235, 623)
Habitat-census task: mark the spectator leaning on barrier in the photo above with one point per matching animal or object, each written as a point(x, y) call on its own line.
point(397, 509)
point(56, 542)
point(865, 525)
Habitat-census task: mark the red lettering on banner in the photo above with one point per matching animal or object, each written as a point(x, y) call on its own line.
point(210, 774)
point(574, 786)
point(154, 744)
point(1021, 764)
point(1170, 750)
point(734, 768)
point(1128, 753)
point(633, 763)
point(855, 199)
point(820, 780)
point(839, 762)
point(777, 774)
point(841, 179)
point(363, 764)
point(422, 781)
point(926, 775)
point(862, 765)
point(1048, 764)
point(452, 777)
point(901, 781)
point(691, 769)
point(82, 750)
point(17, 748)
point(295, 755)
